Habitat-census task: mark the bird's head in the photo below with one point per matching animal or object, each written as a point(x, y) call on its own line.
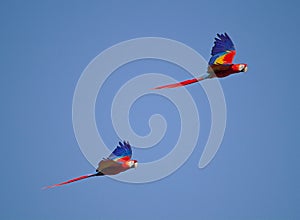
point(243, 67)
point(133, 164)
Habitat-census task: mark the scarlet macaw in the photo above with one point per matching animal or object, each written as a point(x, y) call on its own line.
point(117, 162)
point(220, 64)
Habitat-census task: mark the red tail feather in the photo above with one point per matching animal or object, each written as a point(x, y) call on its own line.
point(70, 181)
point(183, 83)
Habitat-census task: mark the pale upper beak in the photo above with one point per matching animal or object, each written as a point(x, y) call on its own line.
point(243, 68)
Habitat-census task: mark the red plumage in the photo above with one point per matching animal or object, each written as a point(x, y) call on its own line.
point(118, 161)
point(220, 64)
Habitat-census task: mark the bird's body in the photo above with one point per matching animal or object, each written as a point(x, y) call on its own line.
point(118, 161)
point(220, 64)
point(110, 167)
point(224, 70)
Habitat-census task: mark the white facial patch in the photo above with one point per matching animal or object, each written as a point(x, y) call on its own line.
point(241, 67)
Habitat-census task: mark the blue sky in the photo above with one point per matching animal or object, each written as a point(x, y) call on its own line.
point(46, 45)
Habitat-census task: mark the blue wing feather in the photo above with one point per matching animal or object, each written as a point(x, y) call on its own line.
point(122, 151)
point(223, 45)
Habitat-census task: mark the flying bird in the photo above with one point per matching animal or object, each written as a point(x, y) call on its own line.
point(220, 64)
point(118, 161)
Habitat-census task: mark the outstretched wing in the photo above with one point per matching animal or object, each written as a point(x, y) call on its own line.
point(223, 50)
point(122, 153)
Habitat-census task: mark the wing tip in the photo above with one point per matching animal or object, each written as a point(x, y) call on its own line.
point(126, 143)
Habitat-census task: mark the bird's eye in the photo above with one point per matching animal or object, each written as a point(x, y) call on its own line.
point(241, 67)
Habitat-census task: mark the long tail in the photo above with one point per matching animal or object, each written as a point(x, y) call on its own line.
point(74, 180)
point(183, 83)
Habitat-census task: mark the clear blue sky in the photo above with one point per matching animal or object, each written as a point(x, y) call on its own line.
point(45, 46)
